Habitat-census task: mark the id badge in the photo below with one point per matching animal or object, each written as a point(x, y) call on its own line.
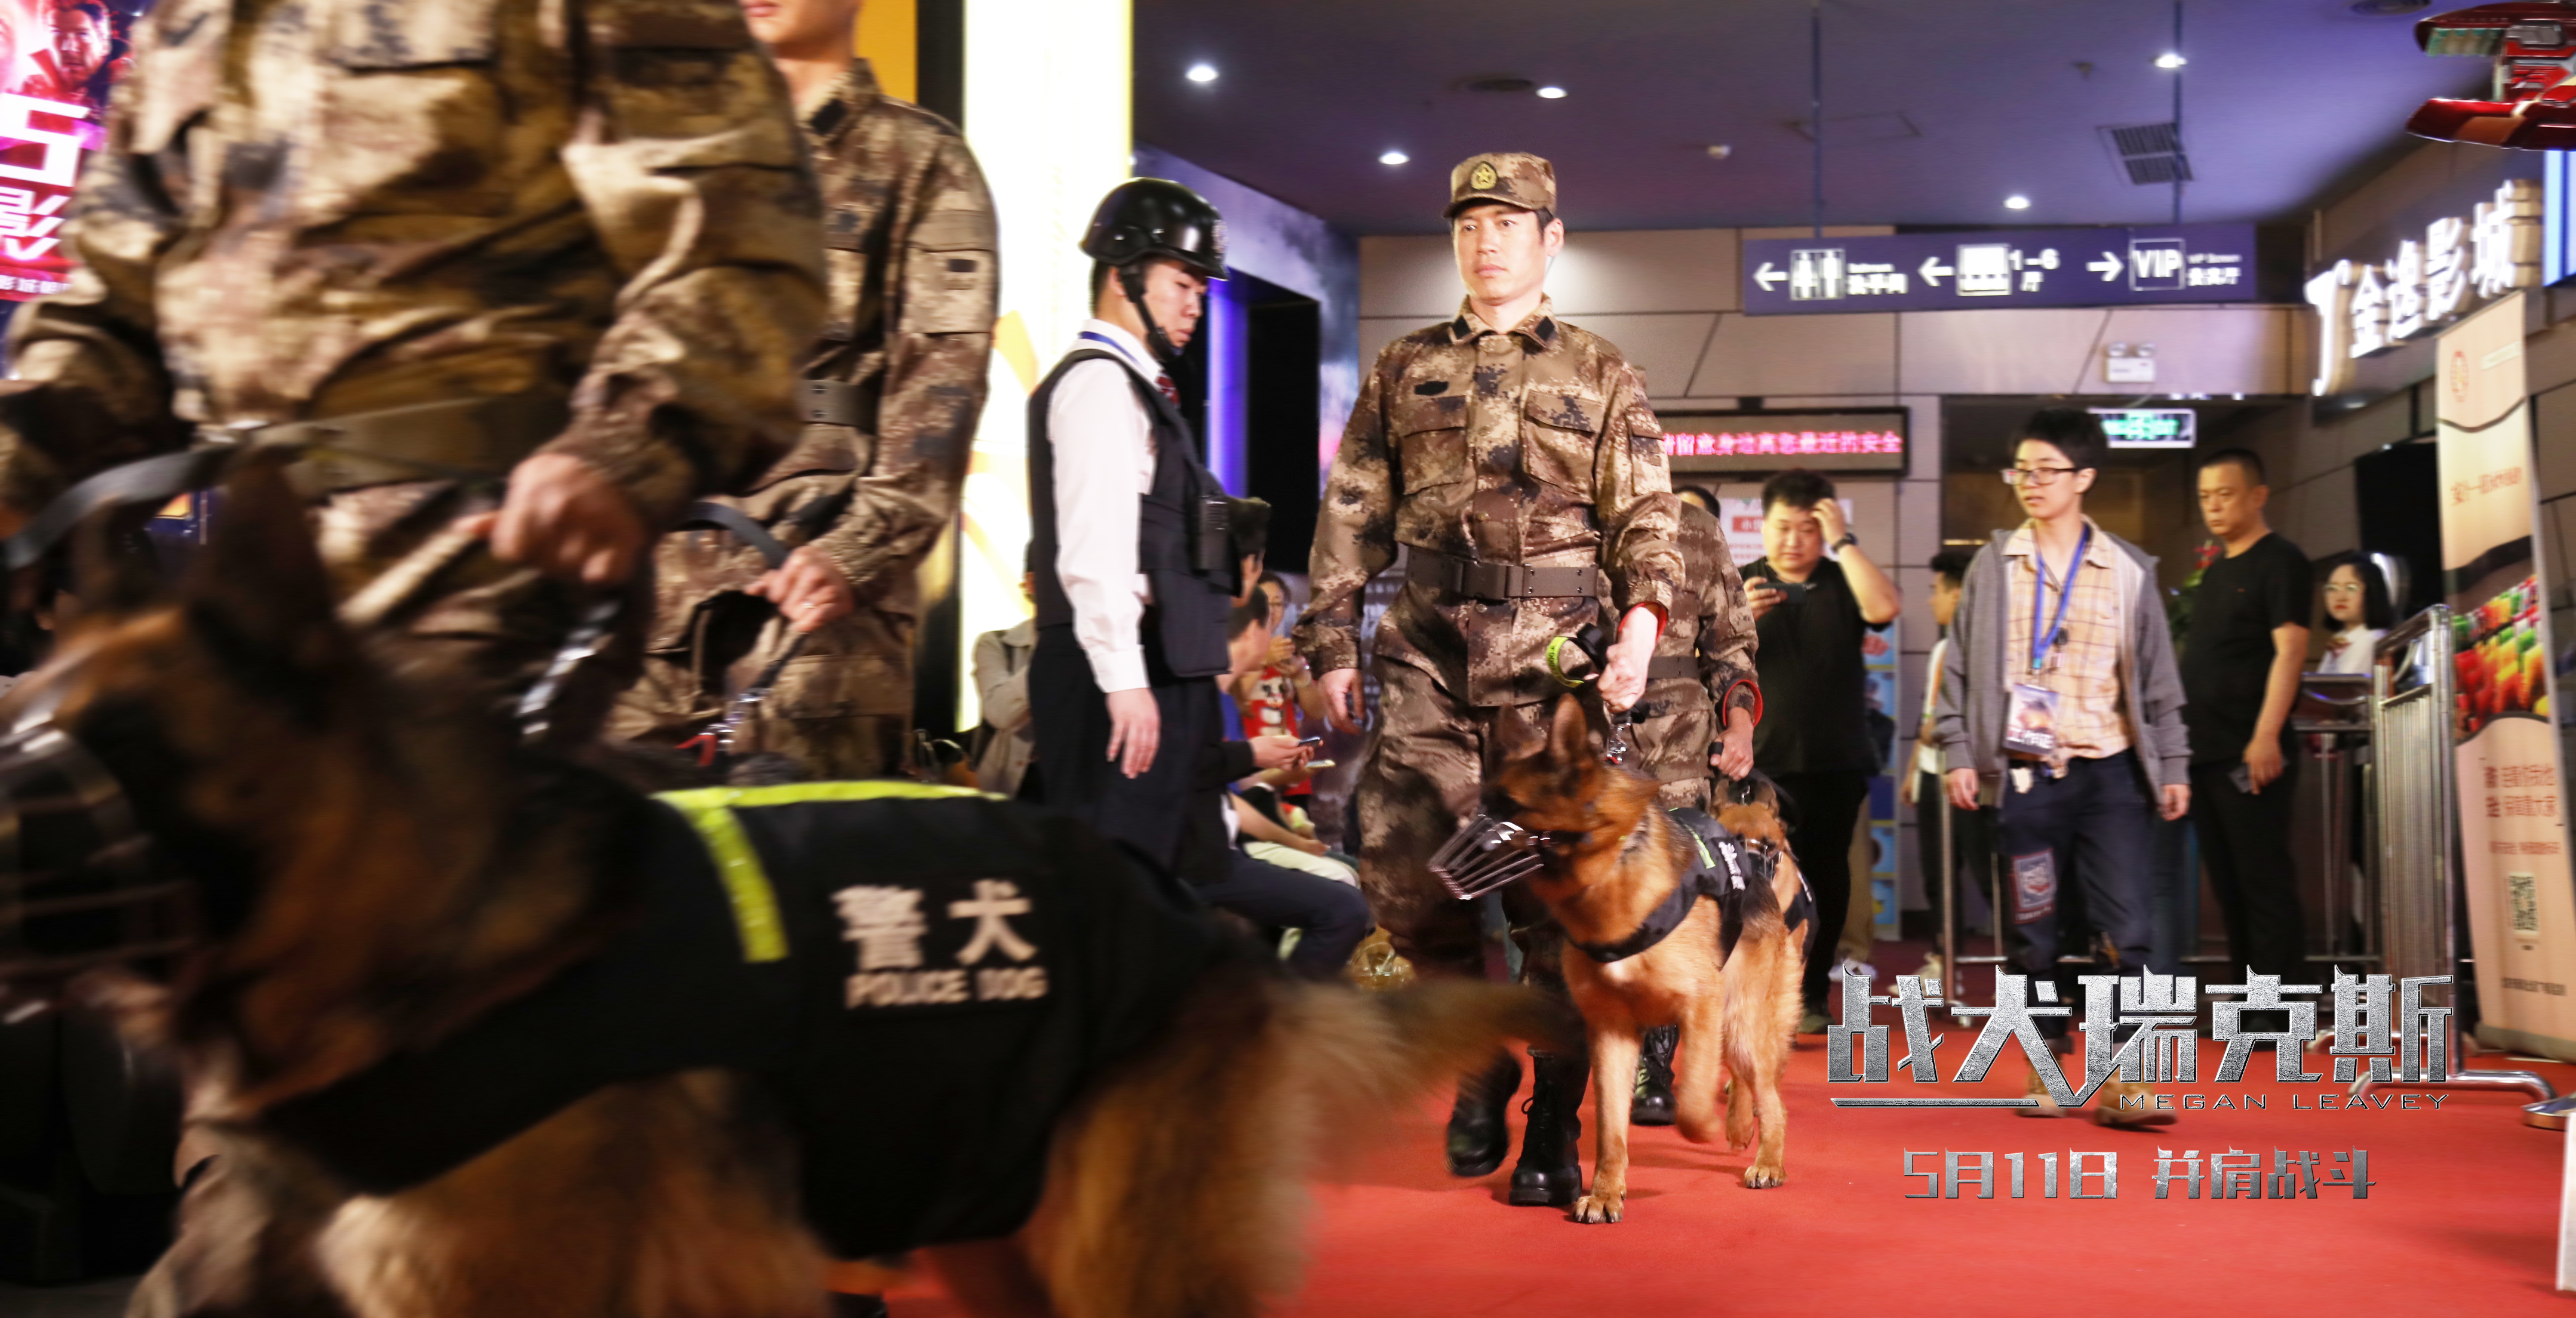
point(2030, 726)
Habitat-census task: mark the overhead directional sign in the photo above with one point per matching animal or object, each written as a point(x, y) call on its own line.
point(2018, 268)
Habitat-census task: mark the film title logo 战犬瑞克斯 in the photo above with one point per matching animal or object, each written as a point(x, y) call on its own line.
point(2145, 1028)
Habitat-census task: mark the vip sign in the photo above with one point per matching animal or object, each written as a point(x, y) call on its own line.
point(2367, 308)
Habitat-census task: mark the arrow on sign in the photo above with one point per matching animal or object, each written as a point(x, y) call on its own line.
point(2108, 267)
point(1934, 272)
point(1768, 275)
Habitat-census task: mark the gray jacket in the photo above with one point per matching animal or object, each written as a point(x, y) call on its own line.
point(1975, 671)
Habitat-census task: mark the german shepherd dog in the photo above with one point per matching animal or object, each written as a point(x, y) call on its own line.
point(1612, 858)
point(376, 875)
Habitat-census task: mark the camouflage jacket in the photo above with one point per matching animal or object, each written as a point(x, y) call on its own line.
point(312, 208)
point(908, 233)
point(1533, 446)
point(1712, 623)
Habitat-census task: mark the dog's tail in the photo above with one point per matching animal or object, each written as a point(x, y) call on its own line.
point(1176, 1191)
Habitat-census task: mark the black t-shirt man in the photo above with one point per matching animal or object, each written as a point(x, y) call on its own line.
point(2227, 653)
point(1815, 684)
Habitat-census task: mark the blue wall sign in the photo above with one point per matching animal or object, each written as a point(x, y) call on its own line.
point(2016, 268)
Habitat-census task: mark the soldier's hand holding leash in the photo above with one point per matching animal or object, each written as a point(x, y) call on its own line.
point(1623, 676)
point(567, 519)
point(1342, 699)
point(808, 589)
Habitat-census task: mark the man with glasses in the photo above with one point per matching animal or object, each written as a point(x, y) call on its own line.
point(2060, 706)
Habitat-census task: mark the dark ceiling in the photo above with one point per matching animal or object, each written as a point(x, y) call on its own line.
point(1935, 111)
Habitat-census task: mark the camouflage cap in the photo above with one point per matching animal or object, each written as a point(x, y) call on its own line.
point(1514, 178)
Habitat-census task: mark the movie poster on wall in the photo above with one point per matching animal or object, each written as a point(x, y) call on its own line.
point(2513, 843)
point(59, 59)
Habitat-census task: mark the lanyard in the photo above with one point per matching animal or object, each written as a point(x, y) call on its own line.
point(1114, 346)
point(2041, 641)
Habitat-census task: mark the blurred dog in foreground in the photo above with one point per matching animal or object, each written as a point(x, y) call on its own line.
point(1669, 919)
point(404, 918)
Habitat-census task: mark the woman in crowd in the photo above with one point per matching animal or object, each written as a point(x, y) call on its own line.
point(2357, 603)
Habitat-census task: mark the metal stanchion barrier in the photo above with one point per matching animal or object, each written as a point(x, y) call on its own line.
point(2417, 868)
point(1954, 980)
point(2332, 719)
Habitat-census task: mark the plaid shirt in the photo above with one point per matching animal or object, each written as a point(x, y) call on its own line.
point(2085, 671)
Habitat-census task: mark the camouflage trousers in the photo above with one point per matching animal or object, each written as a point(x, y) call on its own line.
point(465, 633)
point(666, 706)
point(1420, 777)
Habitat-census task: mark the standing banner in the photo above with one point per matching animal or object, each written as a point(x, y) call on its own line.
point(2513, 836)
point(59, 59)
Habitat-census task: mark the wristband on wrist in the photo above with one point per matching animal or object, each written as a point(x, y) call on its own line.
point(1849, 539)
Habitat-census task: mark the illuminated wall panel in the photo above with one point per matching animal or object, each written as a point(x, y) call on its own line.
point(1047, 97)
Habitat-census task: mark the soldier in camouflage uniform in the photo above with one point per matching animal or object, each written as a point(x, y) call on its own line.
point(1704, 663)
point(1521, 469)
point(893, 389)
point(435, 245)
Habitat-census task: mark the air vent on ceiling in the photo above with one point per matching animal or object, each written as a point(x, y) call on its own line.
point(2390, 8)
point(1854, 130)
point(2148, 153)
point(1498, 84)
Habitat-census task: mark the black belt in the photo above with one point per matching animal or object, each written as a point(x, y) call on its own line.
point(1498, 581)
point(453, 439)
point(457, 439)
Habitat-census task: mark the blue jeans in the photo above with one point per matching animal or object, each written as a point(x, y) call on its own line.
point(2095, 828)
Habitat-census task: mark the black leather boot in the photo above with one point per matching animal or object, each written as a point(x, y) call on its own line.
point(1550, 1172)
point(1478, 1139)
point(1653, 1104)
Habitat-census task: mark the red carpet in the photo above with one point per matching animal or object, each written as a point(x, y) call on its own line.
point(2462, 1220)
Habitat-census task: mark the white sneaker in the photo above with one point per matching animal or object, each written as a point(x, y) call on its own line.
point(1847, 964)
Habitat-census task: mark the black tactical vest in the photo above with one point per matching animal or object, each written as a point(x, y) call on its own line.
point(923, 979)
point(1194, 579)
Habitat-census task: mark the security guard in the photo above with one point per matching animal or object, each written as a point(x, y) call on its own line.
point(1514, 459)
point(430, 247)
point(891, 394)
point(1136, 570)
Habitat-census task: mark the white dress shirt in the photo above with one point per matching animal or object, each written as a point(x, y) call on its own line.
point(1104, 466)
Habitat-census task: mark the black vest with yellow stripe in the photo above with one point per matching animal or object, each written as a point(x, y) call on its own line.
point(924, 978)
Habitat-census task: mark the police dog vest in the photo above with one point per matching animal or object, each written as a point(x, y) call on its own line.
point(923, 979)
point(1725, 871)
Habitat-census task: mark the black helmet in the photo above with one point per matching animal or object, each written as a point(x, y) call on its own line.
point(1145, 217)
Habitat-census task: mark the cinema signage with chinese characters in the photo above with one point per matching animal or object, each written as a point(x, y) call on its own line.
point(2460, 263)
point(2015, 268)
point(1856, 441)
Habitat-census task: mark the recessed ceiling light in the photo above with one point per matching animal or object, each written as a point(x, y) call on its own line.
point(2170, 60)
point(1393, 158)
point(1551, 93)
point(1202, 73)
point(2016, 202)
point(1720, 151)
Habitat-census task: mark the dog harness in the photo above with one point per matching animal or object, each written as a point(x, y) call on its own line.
point(922, 979)
point(1727, 871)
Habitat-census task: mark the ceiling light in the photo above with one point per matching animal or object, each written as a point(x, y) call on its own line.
point(1202, 73)
point(2170, 60)
point(1720, 151)
point(1551, 93)
point(1393, 158)
point(2016, 202)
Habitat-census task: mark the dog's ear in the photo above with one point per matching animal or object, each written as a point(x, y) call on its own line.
point(1569, 732)
point(261, 574)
